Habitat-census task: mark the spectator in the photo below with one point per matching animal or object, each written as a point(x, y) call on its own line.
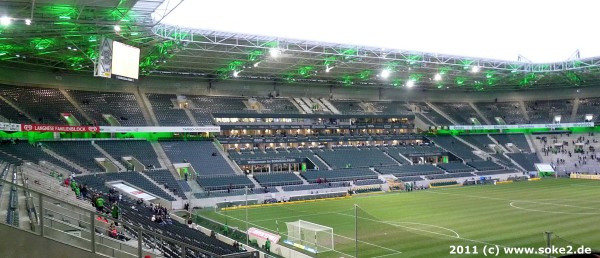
point(116, 212)
point(112, 231)
point(77, 192)
point(190, 222)
point(100, 204)
point(84, 191)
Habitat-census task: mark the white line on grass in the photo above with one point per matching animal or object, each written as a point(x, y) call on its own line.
point(555, 212)
point(436, 233)
point(425, 224)
point(530, 201)
point(371, 244)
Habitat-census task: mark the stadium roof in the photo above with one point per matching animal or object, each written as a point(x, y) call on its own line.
point(64, 34)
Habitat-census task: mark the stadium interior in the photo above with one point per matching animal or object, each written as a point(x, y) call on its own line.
point(218, 121)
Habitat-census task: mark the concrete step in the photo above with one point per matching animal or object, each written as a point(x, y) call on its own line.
point(109, 157)
point(65, 160)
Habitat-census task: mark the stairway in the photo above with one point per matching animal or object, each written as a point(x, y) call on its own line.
point(479, 113)
point(163, 160)
point(306, 109)
point(330, 106)
point(304, 182)
point(109, 157)
point(436, 109)
point(66, 161)
point(18, 109)
point(159, 185)
point(76, 105)
point(397, 162)
point(477, 151)
point(293, 101)
point(320, 159)
point(235, 167)
point(574, 111)
point(524, 110)
point(190, 116)
point(146, 108)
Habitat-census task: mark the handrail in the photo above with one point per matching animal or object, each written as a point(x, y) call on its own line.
point(141, 232)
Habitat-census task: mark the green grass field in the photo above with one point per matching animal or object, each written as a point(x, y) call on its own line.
point(427, 223)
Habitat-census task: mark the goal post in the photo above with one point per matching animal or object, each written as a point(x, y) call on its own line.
point(312, 235)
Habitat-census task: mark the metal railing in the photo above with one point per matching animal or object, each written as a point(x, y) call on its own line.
point(83, 229)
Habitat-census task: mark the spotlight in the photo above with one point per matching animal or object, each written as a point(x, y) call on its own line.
point(437, 77)
point(274, 52)
point(328, 68)
point(385, 73)
point(27, 22)
point(117, 28)
point(5, 20)
point(410, 83)
point(236, 74)
point(475, 69)
point(256, 64)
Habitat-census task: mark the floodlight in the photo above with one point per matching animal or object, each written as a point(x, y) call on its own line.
point(236, 74)
point(437, 77)
point(410, 83)
point(27, 22)
point(328, 68)
point(256, 64)
point(385, 73)
point(274, 52)
point(117, 28)
point(5, 20)
point(475, 69)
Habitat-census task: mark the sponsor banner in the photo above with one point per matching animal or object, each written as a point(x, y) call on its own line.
point(269, 161)
point(520, 126)
point(226, 126)
point(584, 176)
point(10, 127)
point(160, 129)
point(59, 128)
point(263, 234)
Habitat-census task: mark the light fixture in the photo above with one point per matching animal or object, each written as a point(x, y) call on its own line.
point(5, 20)
point(256, 64)
point(27, 21)
point(274, 52)
point(236, 74)
point(328, 68)
point(117, 28)
point(385, 73)
point(437, 77)
point(475, 69)
point(410, 83)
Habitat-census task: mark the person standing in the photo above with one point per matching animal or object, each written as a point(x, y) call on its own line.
point(100, 204)
point(116, 213)
point(77, 192)
point(84, 191)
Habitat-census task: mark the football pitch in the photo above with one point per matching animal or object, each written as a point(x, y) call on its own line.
point(428, 223)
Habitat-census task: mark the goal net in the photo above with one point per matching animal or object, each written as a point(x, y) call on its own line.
point(308, 234)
